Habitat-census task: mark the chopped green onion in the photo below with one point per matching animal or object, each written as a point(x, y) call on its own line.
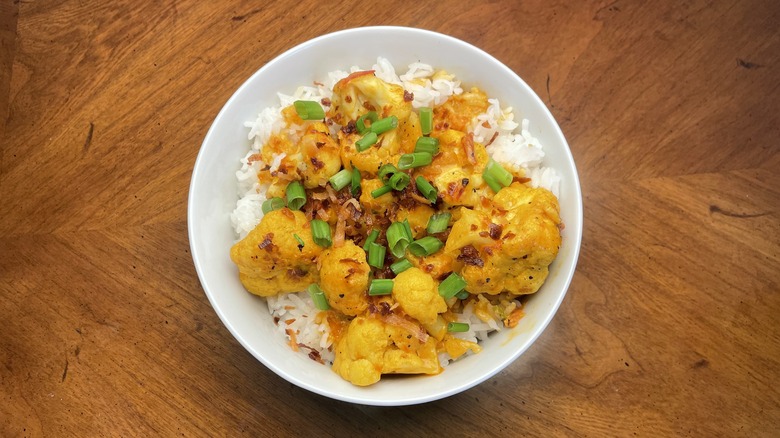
point(296, 195)
point(361, 122)
point(451, 286)
point(380, 286)
point(370, 239)
point(408, 230)
point(320, 233)
point(427, 190)
point(498, 172)
point(425, 246)
point(462, 295)
point(426, 120)
point(427, 144)
point(376, 255)
point(355, 181)
point(399, 181)
point(318, 296)
point(366, 142)
point(492, 182)
point(301, 244)
point(381, 191)
point(496, 176)
point(438, 223)
point(457, 327)
point(384, 125)
point(272, 204)
point(397, 239)
point(400, 266)
point(309, 110)
point(416, 159)
point(386, 172)
point(341, 179)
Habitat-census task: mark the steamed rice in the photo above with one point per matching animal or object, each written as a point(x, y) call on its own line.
point(295, 313)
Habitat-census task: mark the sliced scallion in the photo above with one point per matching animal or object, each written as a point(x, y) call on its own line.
point(427, 144)
point(376, 255)
point(457, 327)
point(361, 122)
point(366, 142)
point(370, 239)
point(451, 285)
point(386, 172)
point(355, 181)
point(400, 266)
point(309, 110)
point(416, 159)
point(399, 181)
point(492, 182)
point(384, 125)
point(397, 239)
point(462, 295)
point(318, 296)
point(427, 190)
point(438, 223)
point(408, 229)
point(296, 195)
point(426, 120)
point(320, 233)
point(425, 246)
point(380, 286)
point(498, 172)
point(381, 191)
point(340, 179)
point(272, 204)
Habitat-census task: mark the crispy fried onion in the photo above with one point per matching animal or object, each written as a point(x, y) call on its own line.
point(350, 210)
point(412, 327)
point(331, 193)
point(318, 195)
point(468, 146)
point(470, 256)
point(313, 354)
point(293, 340)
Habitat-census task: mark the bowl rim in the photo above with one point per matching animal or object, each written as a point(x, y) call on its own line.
point(575, 239)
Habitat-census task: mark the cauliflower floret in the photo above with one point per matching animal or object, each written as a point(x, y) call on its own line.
point(304, 151)
point(372, 347)
point(509, 245)
point(388, 148)
point(271, 261)
point(437, 265)
point(356, 95)
point(360, 353)
point(456, 171)
point(344, 278)
point(418, 296)
point(459, 110)
point(321, 157)
point(376, 206)
point(418, 216)
point(362, 91)
point(423, 360)
point(471, 229)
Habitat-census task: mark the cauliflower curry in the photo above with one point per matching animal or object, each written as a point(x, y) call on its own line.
point(394, 218)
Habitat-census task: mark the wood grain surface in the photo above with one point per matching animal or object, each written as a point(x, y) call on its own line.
point(671, 326)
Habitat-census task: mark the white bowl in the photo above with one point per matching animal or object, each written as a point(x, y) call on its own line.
point(213, 196)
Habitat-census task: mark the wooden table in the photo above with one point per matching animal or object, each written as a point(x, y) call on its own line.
point(671, 324)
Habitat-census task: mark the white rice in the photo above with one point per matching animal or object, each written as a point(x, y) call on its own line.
point(297, 312)
point(520, 150)
point(478, 330)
